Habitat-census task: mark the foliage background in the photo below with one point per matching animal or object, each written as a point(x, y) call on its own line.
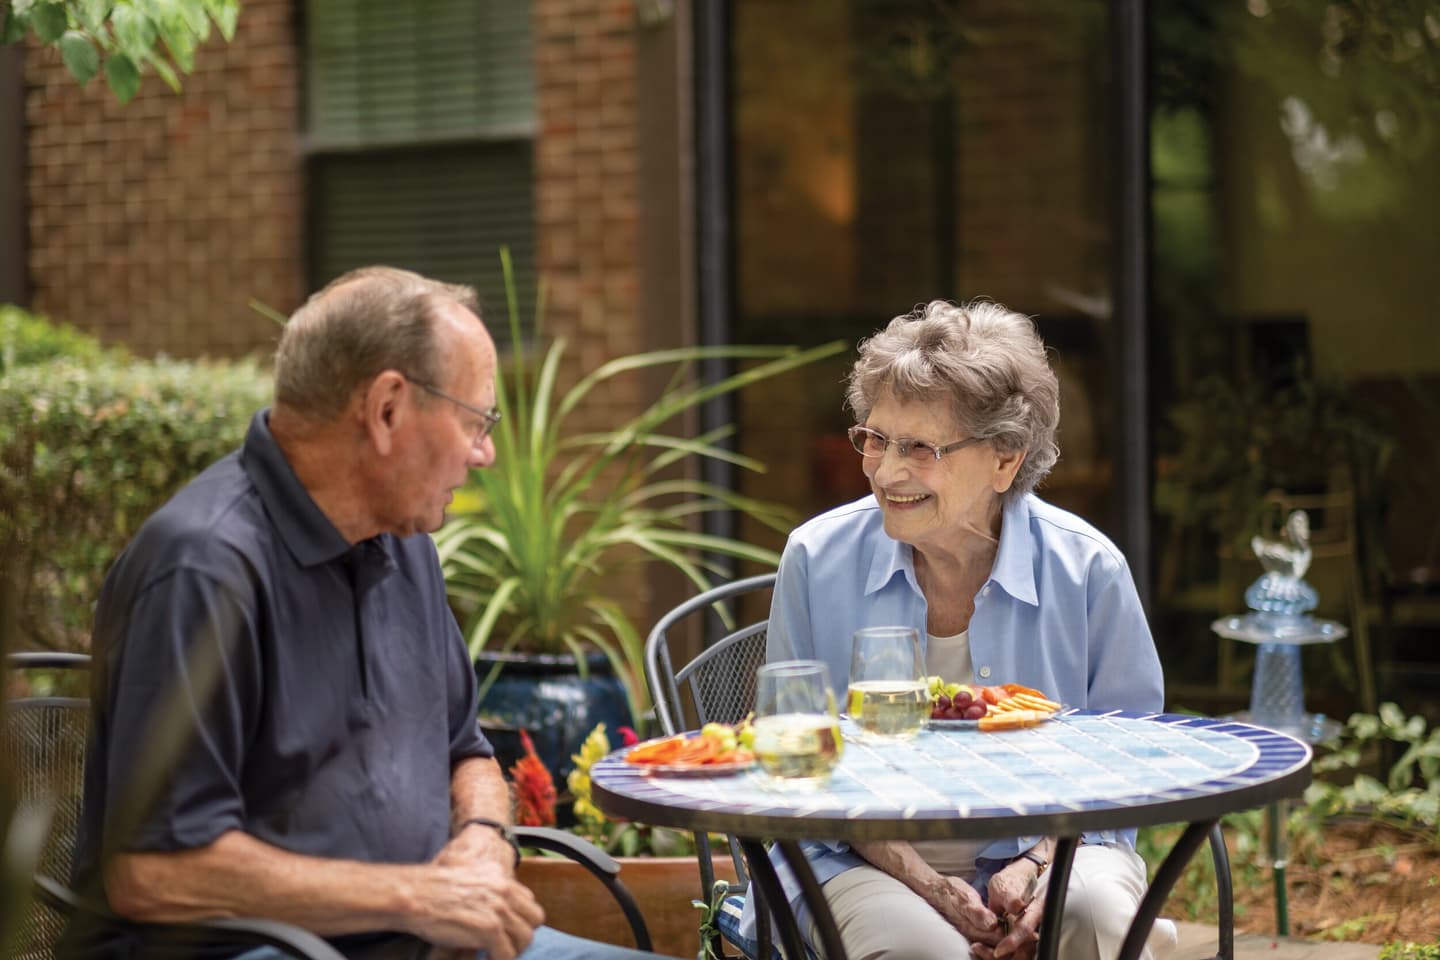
point(91, 442)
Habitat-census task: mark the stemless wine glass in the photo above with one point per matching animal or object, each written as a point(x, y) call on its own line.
point(797, 731)
point(888, 696)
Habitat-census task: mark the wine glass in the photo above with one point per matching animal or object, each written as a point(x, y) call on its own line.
point(797, 730)
point(888, 696)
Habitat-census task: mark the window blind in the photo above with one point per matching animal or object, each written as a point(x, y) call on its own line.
point(380, 72)
point(441, 211)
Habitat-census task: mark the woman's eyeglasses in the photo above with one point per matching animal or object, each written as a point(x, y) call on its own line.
point(873, 443)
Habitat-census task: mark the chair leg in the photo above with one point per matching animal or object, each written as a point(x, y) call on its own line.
point(1225, 892)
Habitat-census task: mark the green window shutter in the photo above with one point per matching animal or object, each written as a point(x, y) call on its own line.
point(381, 72)
point(420, 116)
point(441, 211)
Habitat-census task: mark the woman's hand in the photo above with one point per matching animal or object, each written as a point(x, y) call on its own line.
point(959, 903)
point(1012, 889)
point(1021, 941)
point(1017, 896)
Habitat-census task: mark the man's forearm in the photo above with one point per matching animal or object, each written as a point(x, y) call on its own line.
point(241, 876)
point(478, 789)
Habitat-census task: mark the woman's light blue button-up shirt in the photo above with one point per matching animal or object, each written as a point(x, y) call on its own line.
point(1059, 613)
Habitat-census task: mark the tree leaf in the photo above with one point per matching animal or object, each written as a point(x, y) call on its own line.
point(123, 78)
point(134, 32)
point(49, 21)
point(17, 24)
point(179, 40)
point(92, 14)
point(166, 72)
point(80, 56)
point(226, 15)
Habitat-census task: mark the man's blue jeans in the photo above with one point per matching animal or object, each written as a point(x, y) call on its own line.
point(549, 944)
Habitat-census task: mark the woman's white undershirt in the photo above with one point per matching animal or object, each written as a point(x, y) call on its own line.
point(949, 658)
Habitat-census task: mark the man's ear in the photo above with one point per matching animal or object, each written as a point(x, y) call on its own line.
point(384, 410)
point(1007, 464)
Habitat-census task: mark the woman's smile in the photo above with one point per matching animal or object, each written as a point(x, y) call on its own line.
point(906, 499)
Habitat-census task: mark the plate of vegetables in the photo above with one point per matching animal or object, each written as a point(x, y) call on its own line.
point(717, 750)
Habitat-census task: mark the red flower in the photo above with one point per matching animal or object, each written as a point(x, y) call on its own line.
point(534, 788)
point(628, 737)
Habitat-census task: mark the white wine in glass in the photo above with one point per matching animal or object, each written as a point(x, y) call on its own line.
point(799, 747)
point(888, 696)
point(797, 731)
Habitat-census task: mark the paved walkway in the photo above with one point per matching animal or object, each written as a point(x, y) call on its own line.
point(1198, 942)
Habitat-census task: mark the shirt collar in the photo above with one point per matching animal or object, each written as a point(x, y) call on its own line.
point(891, 559)
point(1014, 569)
point(304, 528)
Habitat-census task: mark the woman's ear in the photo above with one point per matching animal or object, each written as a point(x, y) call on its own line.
point(1007, 464)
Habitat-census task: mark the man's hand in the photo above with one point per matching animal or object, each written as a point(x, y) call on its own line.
point(476, 843)
point(475, 904)
point(959, 903)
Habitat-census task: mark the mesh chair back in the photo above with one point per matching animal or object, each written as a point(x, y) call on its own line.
point(43, 746)
point(719, 683)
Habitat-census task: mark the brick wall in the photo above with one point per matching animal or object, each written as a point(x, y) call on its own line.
point(585, 191)
point(155, 223)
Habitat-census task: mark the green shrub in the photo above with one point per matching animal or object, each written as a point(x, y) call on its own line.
point(89, 448)
point(27, 338)
point(1410, 951)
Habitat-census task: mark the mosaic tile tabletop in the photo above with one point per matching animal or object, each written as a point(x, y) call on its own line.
point(1079, 768)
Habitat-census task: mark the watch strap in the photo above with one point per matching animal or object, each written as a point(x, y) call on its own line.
point(1040, 862)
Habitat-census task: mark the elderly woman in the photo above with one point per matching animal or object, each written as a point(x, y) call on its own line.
point(956, 410)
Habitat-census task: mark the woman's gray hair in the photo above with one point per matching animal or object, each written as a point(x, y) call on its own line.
point(986, 361)
point(362, 323)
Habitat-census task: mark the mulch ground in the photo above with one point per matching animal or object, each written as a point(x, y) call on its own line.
point(1364, 882)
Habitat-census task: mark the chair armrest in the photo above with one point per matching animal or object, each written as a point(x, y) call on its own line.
point(603, 866)
point(180, 939)
point(574, 847)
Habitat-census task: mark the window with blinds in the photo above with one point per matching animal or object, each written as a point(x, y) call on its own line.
point(420, 119)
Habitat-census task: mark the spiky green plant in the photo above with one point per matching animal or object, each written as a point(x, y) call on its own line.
point(535, 539)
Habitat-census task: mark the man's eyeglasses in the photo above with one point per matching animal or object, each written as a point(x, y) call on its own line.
point(873, 443)
point(488, 418)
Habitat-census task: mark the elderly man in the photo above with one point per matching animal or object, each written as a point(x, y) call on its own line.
point(285, 614)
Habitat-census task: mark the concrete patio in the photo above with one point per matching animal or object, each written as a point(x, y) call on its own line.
point(1197, 942)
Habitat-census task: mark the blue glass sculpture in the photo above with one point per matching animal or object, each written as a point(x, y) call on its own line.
point(1280, 623)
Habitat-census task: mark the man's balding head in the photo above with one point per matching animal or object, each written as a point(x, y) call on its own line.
point(363, 322)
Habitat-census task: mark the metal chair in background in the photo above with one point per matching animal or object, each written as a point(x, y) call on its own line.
point(716, 685)
point(43, 744)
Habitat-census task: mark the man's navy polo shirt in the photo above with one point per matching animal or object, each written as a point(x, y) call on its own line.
point(344, 693)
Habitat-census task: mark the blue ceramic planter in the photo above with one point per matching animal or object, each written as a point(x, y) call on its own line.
point(545, 695)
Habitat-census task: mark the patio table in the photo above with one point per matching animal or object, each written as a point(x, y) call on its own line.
point(1081, 771)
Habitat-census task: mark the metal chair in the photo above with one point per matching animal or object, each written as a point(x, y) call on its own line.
point(43, 744)
point(718, 685)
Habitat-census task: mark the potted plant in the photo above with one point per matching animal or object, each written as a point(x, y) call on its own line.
point(537, 543)
point(658, 864)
